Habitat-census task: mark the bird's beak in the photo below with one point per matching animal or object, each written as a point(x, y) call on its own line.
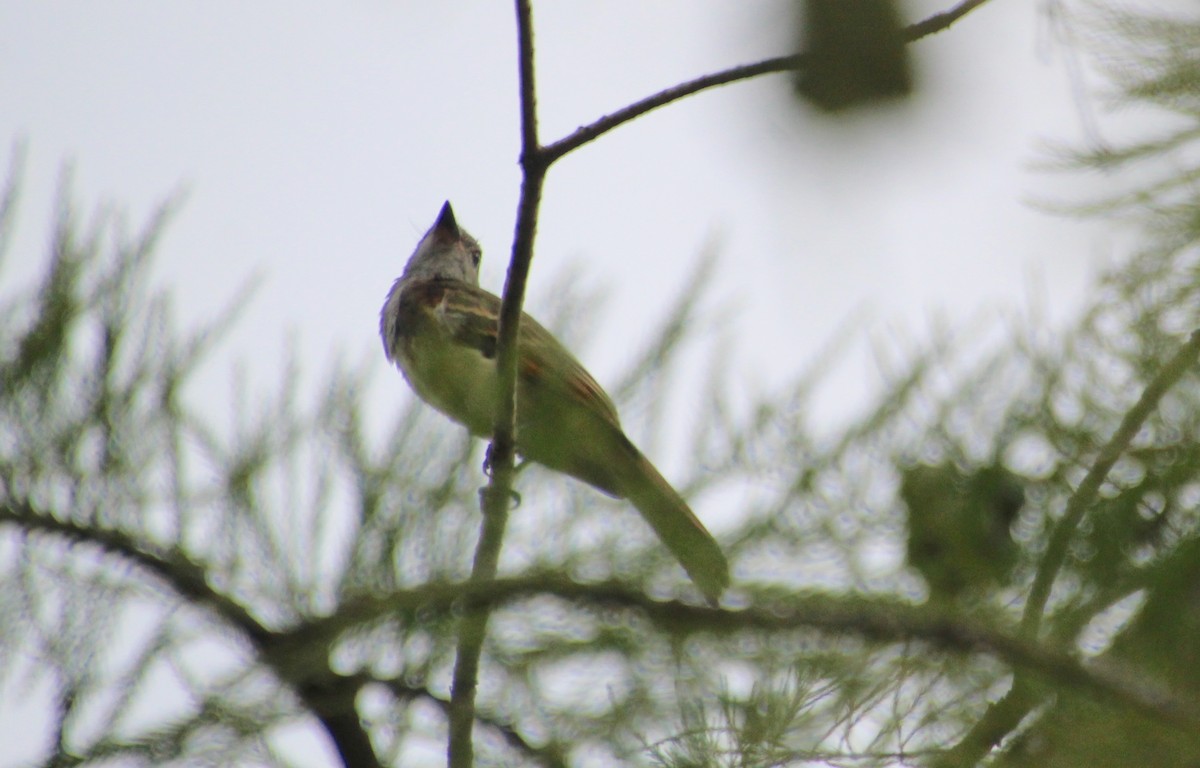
point(445, 221)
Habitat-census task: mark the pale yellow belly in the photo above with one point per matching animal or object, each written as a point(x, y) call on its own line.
point(457, 380)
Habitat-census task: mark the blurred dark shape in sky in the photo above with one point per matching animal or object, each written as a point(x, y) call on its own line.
point(959, 526)
point(856, 53)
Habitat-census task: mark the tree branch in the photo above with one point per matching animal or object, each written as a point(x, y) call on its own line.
point(332, 700)
point(940, 22)
point(1006, 714)
point(549, 756)
point(878, 620)
point(1060, 539)
point(179, 573)
point(999, 720)
point(495, 499)
point(583, 135)
point(325, 694)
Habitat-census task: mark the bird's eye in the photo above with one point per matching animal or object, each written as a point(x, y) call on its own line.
point(475, 257)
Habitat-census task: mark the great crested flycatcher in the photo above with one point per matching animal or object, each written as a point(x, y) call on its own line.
point(440, 329)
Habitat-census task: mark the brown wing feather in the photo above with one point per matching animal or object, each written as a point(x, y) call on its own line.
point(470, 315)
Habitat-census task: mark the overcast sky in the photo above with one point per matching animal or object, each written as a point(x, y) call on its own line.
point(315, 141)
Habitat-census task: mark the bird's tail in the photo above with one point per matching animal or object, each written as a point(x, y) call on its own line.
point(680, 530)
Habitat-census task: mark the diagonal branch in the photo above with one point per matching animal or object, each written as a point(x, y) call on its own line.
point(1060, 539)
point(1006, 714)
point(999, 720)
point(328, 697)
point(940, 22)
point(551, 152)
point(182, 575)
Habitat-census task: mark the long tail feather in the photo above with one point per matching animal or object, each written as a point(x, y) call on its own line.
point(678, 528)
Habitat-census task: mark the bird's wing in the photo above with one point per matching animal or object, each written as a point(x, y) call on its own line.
point(470, 316)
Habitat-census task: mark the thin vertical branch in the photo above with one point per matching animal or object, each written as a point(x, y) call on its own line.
point(495, 499)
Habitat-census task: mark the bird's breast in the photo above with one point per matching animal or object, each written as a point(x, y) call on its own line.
point(457, 380)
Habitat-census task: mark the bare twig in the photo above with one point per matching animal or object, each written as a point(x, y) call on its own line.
point(940, 22)
point(594, 130)
point(936, 23)
point(495, 500)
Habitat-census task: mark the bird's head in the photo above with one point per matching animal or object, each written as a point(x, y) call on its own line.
point(446, 251)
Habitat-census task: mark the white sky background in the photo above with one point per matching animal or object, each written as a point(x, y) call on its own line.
point(316, 140)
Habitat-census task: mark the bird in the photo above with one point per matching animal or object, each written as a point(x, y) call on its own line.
point(440, 329)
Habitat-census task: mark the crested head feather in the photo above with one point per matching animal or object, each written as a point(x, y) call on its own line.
point(446, 251)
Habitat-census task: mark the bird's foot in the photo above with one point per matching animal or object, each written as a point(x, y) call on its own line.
point(487, 463)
